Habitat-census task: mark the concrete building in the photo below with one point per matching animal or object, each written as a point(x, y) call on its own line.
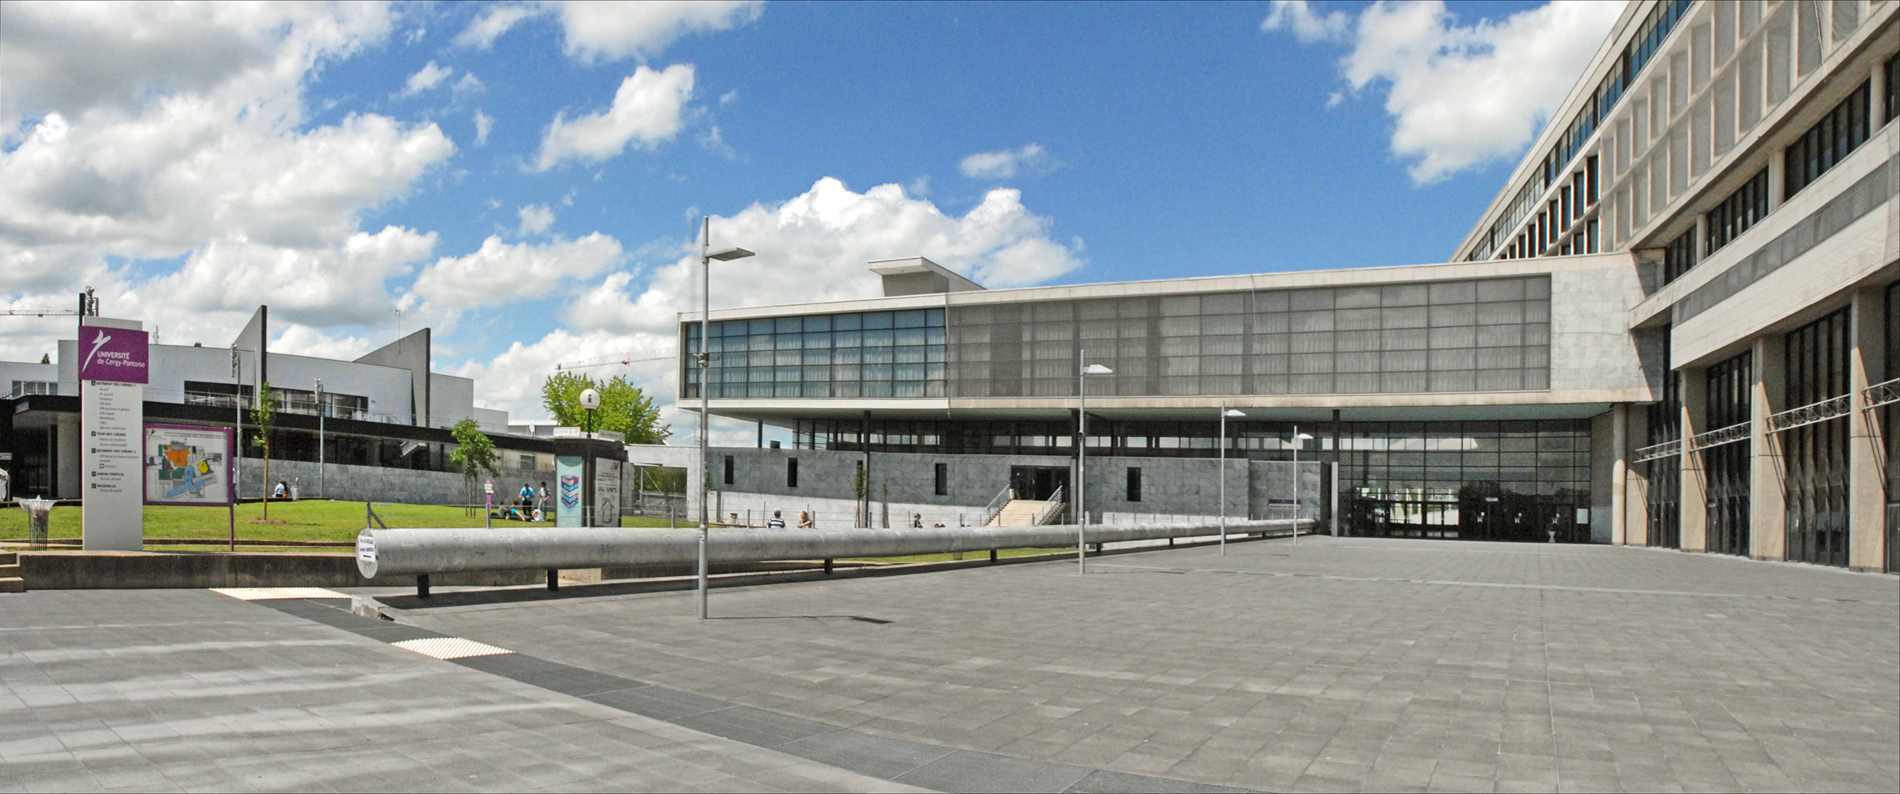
point(382, 423)
point(1673, 326)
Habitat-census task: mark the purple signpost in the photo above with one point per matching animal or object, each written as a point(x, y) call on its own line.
point(118, 355)
point(113, 368)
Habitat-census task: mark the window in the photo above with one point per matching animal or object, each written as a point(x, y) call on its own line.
point(1742, 209)
point(23, 388)
point(728, 469)
point(526, 461)
point(1679, 256)
point(791, 472)
point(1828, 142)
point(1590, 171)
point(1134, 483)
point(943, 479)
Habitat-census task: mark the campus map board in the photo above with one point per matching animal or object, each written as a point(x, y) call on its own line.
point(188, 465)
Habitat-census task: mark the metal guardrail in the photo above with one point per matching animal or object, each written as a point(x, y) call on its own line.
point(996, 505)
point(1718, 437)
point(1658, 451)
point(1813, 413)
point(1879, 394)
point(1050, 511)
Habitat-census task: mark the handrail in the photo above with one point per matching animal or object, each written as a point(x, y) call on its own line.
point(996, 505)
point(1658, 451)
point(1879, 394)
point(1049, 510)
point(1719, 436)
point(1812, 413)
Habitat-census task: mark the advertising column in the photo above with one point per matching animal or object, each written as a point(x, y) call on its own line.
point(569, 491)
point(607, 492)
point(113, 359)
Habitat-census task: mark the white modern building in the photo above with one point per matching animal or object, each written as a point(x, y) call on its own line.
point(1674, 326)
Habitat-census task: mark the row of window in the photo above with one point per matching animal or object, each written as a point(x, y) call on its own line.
point(1742, 209)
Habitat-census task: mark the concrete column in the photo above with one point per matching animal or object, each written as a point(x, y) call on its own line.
point(1777, 179)
point(1695, 480)
point(1876, 89)
point(1619, 473)
point(1866, 451)
point(1768, 473)
point(1636, 484)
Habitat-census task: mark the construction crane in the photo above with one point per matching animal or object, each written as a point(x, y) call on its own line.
point(629, 357)
point(89, 305)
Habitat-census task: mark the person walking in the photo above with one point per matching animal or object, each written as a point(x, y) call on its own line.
point(525, 497)
point(775, 522)
point(541, 497)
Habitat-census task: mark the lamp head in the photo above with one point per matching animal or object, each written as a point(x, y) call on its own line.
point(729, 254)
point(1097, 369)
point(1232, 414)
point(590, 399)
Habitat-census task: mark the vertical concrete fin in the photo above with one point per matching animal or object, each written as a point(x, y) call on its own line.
point(411, 353)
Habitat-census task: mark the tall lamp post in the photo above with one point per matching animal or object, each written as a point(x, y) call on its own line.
point(706, 257)
point(1081, 459)
point(1297, 438)
point(590, 402)
point(1225, 414)
point(323, 473)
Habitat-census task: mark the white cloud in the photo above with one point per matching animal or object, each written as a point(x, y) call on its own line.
point(645, 113)
point(494, 21)
point(607, 30)
point(1308, 27)
point(173, 136)
point(484, 123)
point(500, 272)
point(469, 84)
point(429, 76)
point(729, 97)
point(1001, 164)
point(535, 219)
point(1461, 95)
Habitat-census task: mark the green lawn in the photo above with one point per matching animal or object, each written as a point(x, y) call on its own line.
point(310, 519)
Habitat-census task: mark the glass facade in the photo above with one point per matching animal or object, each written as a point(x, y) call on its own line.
point(1741, 210)
point(1816, 454)
point(1828, 142)
point(1665, 473)
point(858, 354)
point(1728, 467)
point(1473, 480)
point(1458, 336)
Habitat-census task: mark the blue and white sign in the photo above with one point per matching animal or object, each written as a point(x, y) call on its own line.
point(570, 491)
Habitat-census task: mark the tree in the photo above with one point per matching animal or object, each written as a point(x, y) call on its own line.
point(474, 452)
point(624, 407)
point(264, 417)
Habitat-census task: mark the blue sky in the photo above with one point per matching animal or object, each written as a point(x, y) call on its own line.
point(527, 178)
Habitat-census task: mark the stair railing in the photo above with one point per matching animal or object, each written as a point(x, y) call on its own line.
point(996, 505)
point(1050, 511)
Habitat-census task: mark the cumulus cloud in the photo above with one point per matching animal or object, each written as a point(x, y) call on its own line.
point(645, 113)
point(535, 219)
point(429, 76)
point(607, 30)
point(1308, 27)
point(1001, 164)
point(501, 271)
point(484, 123)
point(161, 154)
point(1461, 96)
point(492, 22)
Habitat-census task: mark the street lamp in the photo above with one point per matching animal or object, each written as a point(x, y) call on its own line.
point(1081, 458)
point(590, 402)
point(1297, 438)
point(1225, 414)
point(706, 257)
point(323, 474)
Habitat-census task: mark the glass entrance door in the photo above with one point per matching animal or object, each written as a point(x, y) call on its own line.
point(1038, 482)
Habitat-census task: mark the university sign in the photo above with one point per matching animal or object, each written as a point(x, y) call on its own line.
point(118, 355)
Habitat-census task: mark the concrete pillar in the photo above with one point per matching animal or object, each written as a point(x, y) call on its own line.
point(1866, 451)
point(1777, 179)
point(1768, 473)
point(1876, 90)
point(1636, 484)
point(1619, 473)
point(1695, 479)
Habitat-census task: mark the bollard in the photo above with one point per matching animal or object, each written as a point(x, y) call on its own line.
point(992, 555)
point(554, 579)
point(827, 566)
point(422, 585)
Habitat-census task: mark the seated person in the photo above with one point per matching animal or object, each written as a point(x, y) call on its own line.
point(804, 520)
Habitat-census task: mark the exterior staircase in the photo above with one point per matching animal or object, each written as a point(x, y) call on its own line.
point(10, 581)
point(1023, 513)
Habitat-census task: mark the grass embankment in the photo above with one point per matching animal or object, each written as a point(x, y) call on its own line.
point(305, 520)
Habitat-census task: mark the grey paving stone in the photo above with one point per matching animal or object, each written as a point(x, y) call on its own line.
point(754, 726)
point(658, 702)
point(965, 771)
point(1105, 782)
point(875, 756)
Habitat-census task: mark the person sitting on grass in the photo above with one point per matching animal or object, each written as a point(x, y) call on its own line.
point(804, 520)
point(775, 522)
point(282, 490)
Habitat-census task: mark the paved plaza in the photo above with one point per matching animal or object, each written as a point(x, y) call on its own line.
point(1333, 665)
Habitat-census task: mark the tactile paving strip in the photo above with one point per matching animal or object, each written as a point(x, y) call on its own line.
point(446, 648)
point(268, 593)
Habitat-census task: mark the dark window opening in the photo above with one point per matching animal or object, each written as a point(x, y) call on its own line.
point(943, 479)
point(1729, 387)
point(1665, 473)
point(1679, 256)
point(791, 472)
point(1828, 142)
point(728, 469)
point(1134, 483)
point(1741, 210)
point(1817, 356)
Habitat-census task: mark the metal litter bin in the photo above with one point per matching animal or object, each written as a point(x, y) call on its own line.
point(37, 511)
